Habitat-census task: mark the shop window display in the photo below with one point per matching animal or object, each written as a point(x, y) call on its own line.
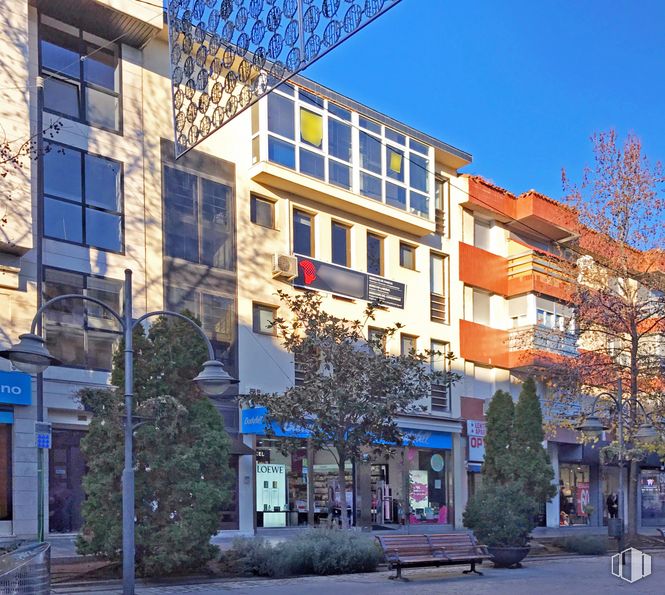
point(430, 486)
point(652, 491)
point(574, 495)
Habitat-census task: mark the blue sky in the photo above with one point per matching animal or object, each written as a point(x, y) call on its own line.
point(520, 85)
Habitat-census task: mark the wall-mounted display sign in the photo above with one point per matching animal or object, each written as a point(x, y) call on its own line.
point(323, 276)
point(271, 493)
point(15, 388)
point(476, 431)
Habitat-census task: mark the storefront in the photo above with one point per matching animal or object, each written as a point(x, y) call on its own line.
point(652, 497)
point(413, 485)
point(574, 494)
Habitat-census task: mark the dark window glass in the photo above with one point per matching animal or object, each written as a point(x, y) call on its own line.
point(418, 172)
point(61, 97)
point(199, 219)
point(370, 186)
point(407, 256)
point(312, 164)
point(419, 204)
point(370, 152)
point(81, 334)
point(395, 195)
point(338, 111)
point(60, 52)
point(100, 67)
point(102, 183)
point(414, 145)
point(262, 212)
point(63, 220)
point(5, 472)
point(310, 98)
point(62, 172)
point(339, 175)
point(369, 125)
point(374, 254)
point(399, 138)
point(339, 140)
point(281, 152)
point(103, 230)
point(340, 244)
point(281, 116)
point(302, 233)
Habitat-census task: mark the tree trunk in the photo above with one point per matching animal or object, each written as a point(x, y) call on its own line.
point(310, 483)
point(633, 477)
point(341, 477)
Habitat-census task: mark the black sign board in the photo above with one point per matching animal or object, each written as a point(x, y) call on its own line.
point(314, 274)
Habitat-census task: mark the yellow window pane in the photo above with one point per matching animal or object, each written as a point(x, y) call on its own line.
point(396, 162)
point(311, 128)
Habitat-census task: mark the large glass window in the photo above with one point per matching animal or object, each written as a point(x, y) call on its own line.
point(82, 198)
point(303, 237)
point(81, 75)
point(199, 223)
point(374, 254)
point(5, 472)
point(340, 244)
point(81, 334)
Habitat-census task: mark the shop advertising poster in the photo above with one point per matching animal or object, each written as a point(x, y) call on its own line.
point(583, 497)
point(418, 497)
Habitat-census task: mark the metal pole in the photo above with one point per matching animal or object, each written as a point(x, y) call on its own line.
point(128, 473)
point(39, 279)
point(621, 448)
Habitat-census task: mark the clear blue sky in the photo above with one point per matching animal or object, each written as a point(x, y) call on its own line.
point(519, 84)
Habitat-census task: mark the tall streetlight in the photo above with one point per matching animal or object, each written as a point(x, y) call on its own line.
point(31, 355)
point(592, 426)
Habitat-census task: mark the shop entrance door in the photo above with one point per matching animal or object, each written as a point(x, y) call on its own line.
point(66, 470)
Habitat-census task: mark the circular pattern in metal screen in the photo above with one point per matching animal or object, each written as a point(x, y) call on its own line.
point(226, 54)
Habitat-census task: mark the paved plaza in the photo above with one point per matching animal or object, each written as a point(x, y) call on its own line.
point(580, 574)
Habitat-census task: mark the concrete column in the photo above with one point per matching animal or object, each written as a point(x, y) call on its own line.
point(24, 472)
point(459, 478)
point(247, 488)
point(553, 507)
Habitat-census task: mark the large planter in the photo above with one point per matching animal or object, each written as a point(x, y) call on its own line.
point(508, 556)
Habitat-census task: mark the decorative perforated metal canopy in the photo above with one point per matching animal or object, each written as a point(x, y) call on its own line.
point(227, 54)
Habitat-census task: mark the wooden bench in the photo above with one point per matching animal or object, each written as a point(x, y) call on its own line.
point(404, 551)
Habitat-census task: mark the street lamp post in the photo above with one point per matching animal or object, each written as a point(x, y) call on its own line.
point(594, 427)
point(31, 355)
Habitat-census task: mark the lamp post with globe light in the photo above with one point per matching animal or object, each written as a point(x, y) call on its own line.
point(31, 355)
point(592, 426)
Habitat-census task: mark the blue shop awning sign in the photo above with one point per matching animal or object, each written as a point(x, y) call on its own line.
point(15, 388)
point(253, 421)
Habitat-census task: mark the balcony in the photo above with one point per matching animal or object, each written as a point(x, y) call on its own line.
point(532, 272)
point(484, 345)
point(535, 344)
point(482, 269)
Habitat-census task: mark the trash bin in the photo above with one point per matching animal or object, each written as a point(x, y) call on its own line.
point(615, 528)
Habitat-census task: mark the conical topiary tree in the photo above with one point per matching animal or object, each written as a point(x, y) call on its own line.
point(499, 463)
point(534, 470)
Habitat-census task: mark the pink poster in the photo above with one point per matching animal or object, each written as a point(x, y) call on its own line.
point(419, 491)
point(582, 497)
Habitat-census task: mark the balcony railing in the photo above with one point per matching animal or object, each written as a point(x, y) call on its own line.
point(531, 271)
point(437, 308)
point(542, 338)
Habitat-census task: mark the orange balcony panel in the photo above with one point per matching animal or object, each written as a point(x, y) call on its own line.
point(539, 283)
point(483, 345)
point(554, 220)
point(534, 358)
point(482, 269)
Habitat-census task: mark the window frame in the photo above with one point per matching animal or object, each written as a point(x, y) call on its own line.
point(253, 198)
point(347, 242)
point(407, 337)
point(312, 220)
point(256, 327)
point(83, 204)
point(381, 239)
point(83, 39)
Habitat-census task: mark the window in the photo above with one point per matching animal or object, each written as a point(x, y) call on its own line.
point(217, 315)
point(437, 280)
point(481, 234)
point(374, 254)
point(407, 256)
point(439, 363)
point(262, 211)
point(407, 344)
point(303, 238)
point(87, 89)
point(262, 318)
point(82, 198)
point(340, 244)
point(5, 472)
point(481, 307)
point(199, 223)
point(376, 337)
point(81, 334)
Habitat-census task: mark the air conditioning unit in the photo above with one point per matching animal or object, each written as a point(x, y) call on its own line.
point(284, 266)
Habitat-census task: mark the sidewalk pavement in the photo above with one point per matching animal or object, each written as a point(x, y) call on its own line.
point(546, 577)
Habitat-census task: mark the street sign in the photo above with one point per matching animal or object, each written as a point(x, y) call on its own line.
point(43, 434)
